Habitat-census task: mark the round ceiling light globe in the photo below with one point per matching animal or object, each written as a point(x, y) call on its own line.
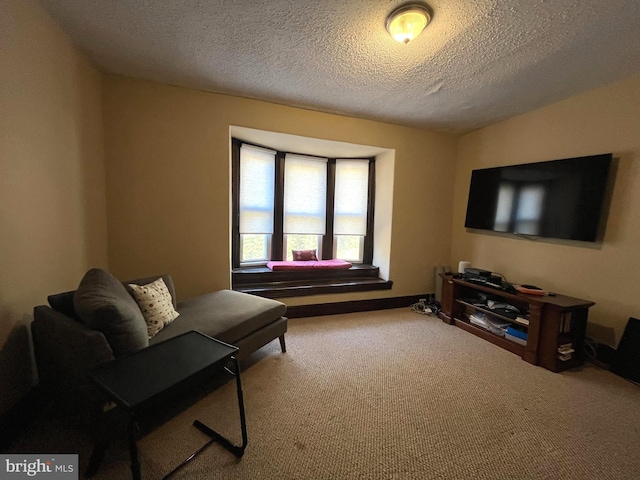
point(407, 22)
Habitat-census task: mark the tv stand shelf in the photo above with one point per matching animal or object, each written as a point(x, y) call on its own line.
point(553, 321)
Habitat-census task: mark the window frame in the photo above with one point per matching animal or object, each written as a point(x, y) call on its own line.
point(286, 248)
point(256, 262)
point(277, 239)
point(361, 239)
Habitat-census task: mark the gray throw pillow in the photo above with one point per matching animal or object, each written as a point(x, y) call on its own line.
point(103, 304)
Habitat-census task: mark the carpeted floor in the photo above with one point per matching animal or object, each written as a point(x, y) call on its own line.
point(388, 395)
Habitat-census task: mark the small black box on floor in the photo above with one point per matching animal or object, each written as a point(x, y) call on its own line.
point(627, 359)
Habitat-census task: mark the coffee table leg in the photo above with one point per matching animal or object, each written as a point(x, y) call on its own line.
point(238, 451)
point(97, 455)
point(243, 421)
point(100, 436)
point(133, 449)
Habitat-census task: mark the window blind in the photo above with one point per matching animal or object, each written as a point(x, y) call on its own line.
point(305, 191)
point(257, 184)
point(351, 194)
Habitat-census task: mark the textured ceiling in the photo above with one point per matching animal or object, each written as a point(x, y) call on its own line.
point(478, 62)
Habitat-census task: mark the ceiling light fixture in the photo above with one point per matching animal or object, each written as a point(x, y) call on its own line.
point(407, 21)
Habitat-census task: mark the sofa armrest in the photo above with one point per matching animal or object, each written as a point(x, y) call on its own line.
point(66, 351)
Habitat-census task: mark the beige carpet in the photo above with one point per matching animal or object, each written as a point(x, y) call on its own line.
point(386, 395)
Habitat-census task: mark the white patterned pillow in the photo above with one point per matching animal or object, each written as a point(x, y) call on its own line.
point(156, 305)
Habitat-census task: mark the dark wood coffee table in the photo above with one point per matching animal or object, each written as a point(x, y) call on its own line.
point(161, 372)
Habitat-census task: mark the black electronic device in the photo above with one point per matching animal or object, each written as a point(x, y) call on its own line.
point(626, 362)
point(492, 281)
point(556, 199)
point(477, 272)
point(479, 275)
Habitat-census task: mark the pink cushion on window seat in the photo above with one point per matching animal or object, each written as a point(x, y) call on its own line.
point(308, 264)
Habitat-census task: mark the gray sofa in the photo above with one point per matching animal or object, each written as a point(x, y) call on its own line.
point(68, 344)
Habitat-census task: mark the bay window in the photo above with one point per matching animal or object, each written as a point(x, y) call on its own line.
point(284, 201)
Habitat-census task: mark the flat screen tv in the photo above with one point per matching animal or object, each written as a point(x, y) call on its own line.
point(555, 199)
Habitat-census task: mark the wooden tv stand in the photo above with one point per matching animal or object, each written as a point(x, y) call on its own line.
point(553, 321)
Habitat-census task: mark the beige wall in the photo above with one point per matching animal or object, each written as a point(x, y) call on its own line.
point(168, 188)
point(600, 121)
point(52, 193)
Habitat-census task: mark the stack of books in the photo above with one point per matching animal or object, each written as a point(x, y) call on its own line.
point(565, 351)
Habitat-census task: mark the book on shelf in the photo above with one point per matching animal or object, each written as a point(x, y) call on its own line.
point(522, 320)
point(565, 345)
point(566, 348)
point(565, 322)
point(564, 356)
point(516, 335)
point(514, 339)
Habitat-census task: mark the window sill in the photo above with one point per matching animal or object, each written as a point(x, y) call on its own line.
point(263, 282)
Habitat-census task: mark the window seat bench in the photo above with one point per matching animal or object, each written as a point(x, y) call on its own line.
point(264, 282)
